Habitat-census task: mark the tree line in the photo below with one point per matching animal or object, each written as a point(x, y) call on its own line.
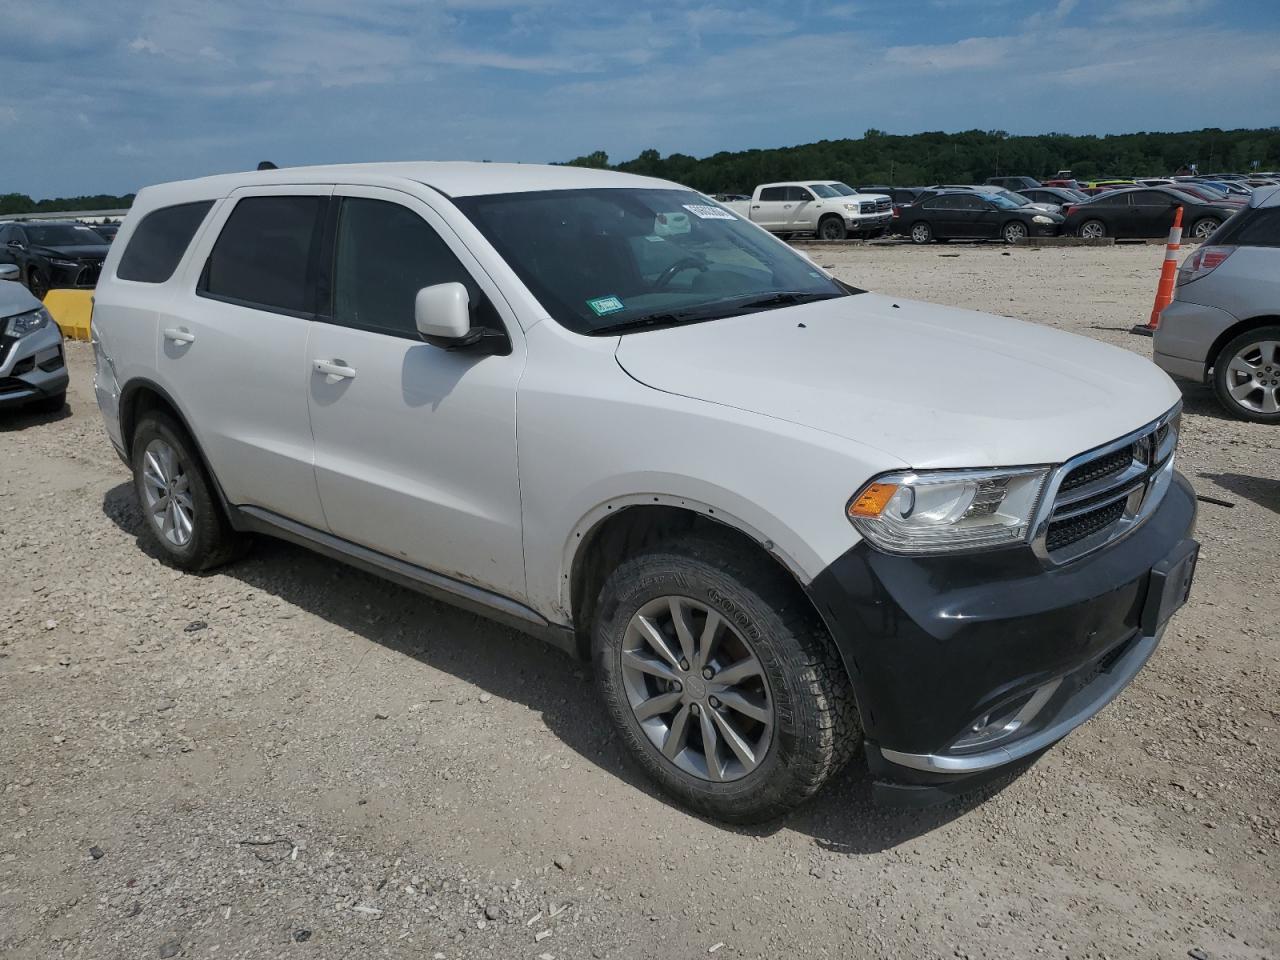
point(968, 157)
point(11, 203)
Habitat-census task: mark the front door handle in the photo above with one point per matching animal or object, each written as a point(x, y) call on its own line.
point(334, 370)
point(179, 335)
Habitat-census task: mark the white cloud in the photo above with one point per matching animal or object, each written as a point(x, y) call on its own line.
point(143, 45)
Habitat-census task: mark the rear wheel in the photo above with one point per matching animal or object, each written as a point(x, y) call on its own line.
point(1015, 231)
point(831, 228)
point(921, 232)
point(179, 506)
point(1246, 375)
point(721, 682)
point(1093, 230)
point(1202, 229)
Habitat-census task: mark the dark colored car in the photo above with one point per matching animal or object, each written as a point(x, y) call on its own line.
point(1210, 194)
point(1145, 213)
point(107, 231)
point(1018, 184)
point(964, 215)
point(53, 253)
point(901, 196)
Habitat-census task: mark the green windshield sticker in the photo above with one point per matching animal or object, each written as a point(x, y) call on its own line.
point(603, 305)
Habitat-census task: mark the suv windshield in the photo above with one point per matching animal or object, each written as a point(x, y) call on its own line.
point(61, 235)
point(609, 259)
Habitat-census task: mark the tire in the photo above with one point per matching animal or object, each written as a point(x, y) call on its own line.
point(1092, 230)
point(831, 228)
point(1246, 392)
point(209, 540)
point(1203, 228)
point(1014, 231)
point(37, 284)
point(813, 725)
point(53, 404)
point(921, 232)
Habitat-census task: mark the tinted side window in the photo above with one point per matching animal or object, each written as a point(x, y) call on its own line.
point(945, 202)
point(160, 240)
point(798, 194)
point(1255, 228)
point(264, 255)
point(773, 194)
point(1111, 200)
point(1151, 198)
point(970, 203)
point(385, 254)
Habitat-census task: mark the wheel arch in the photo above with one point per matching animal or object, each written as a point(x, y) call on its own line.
point(1233, 331)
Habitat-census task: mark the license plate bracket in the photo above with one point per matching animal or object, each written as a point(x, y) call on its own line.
point(1170, 586)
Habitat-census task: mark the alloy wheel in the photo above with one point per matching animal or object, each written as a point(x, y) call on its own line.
point(920, 233)
point(166, 493)
point(1204, 229)
point(1093, 230)
point(697, 689)
point(1015, 232)
point(1253, 377)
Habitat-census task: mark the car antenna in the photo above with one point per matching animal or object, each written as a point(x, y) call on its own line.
point(267, 165)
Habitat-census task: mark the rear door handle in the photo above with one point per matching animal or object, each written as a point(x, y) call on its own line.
point(179, 335)
point(334, 370)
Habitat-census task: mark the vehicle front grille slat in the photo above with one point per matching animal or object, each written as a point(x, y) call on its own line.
point(1072, 529)
point(1104, 466)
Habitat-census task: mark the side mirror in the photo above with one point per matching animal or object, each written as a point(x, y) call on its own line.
point(443, 315)
point(9, 271)
point(16, 245)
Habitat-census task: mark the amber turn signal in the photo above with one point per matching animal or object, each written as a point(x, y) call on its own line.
point(872, 500)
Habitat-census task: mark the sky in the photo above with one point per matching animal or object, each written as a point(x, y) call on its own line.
point(109, 97)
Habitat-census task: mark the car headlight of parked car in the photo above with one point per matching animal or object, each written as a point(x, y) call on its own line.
point(1041, 218)
point(64, 263)
point(939, 511)
point(851, 206)
point(25, 323)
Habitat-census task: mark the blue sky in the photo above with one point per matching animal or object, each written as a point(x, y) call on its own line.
point(101, 97)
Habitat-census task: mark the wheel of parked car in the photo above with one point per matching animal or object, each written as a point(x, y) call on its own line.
point(1093, 229)
point(921, 232)
point(177, 497)
point(37, 284)
point(723, 684)
point(1246, 375)
point(831, 228)
point(1203, 228)
point(1015, 231)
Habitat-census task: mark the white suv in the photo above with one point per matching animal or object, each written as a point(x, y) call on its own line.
point(785, 517)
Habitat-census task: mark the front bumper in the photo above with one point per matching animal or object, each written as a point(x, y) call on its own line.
point(935, 643)
point(32, 368)
point(875, 224)
point(1044, 229)
point(81, 274)
point(1184, 337)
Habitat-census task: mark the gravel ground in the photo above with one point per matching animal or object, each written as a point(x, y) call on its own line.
point(289, 758)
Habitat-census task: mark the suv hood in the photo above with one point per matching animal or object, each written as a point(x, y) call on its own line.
point(933, 386)
point(14, 298)
point(79, 251)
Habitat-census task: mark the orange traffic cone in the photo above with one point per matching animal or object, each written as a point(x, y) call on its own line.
point(1168, 274)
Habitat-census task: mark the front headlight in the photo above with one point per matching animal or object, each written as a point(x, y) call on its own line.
point(851, 206)
point(64, 263)
point(938, 511)
point(1041, 218)
point(25, 323)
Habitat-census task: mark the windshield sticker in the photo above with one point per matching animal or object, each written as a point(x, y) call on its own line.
point(605, 305)
point(708, 211)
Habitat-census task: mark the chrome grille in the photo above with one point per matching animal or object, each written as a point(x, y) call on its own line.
point(1105, 493)
point(867, 206)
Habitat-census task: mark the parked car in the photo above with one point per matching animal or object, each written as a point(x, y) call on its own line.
point(107, 231)
point(1017, 198)
point(1067, 182)
point(1207, 194)
point(965, 215)
point(52, 253)
point(1145, 212)
point(1222, 326)
point(812, 206)
point(33, 370)
point(901, 196)
point(1018, 184)
point(1060, 196)
point(599, 408)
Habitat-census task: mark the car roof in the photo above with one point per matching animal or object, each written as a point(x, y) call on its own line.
point(452, 178)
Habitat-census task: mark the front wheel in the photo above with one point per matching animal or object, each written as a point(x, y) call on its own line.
point(1203, 229)
point(1246, 375)
point(921, 232)
point(832, 228)
point(179, 506)
point(723, 685)
point(1093, 230)
point(37, 284)
point(1015, 232)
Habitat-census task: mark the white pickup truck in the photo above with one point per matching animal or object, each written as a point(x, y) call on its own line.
point(825, 208)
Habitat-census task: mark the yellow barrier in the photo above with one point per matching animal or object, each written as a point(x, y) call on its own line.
point(71, 310)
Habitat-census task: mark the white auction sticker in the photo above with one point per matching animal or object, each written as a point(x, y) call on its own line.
point(706, 211)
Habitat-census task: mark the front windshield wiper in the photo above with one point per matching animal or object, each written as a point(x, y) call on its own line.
point(712, 311)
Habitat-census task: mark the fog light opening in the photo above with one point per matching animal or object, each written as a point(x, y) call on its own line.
point(1003, 724)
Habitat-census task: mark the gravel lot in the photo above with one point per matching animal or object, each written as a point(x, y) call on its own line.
point(289, 758)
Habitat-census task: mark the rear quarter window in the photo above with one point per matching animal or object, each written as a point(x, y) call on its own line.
point(1254, 228)
point(159, 241)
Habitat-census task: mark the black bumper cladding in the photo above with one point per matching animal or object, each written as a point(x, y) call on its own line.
point(940, 646)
